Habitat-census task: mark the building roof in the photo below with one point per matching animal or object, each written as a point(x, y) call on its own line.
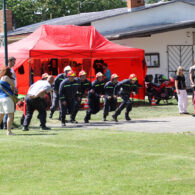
point(87, 18)
point(77, 19)
point(141, 31)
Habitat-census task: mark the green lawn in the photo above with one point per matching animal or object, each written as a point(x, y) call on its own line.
point(80, 161)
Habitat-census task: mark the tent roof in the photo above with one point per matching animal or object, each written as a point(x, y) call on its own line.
point(50, 41)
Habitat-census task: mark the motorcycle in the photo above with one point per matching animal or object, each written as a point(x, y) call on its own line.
point(163, 90)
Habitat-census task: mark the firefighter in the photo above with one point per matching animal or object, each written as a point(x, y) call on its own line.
point(67, 94)
point(85, 85)
point(110, 100)
point(55, 98)
point(124, 89)
point(97, 89)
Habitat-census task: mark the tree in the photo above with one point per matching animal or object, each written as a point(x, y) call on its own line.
point(24, 12)
point(27, 12)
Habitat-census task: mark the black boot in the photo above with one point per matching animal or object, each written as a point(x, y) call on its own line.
point(114, 116)
point(72, 120)
point(127, 117)
point(22, 119)
point(86, 120)
point(51, 114)
point(87, 117)
point(104, 118)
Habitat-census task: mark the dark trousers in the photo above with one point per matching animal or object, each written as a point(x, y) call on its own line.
point(94, 105)
point(55, 102)
point(38, 104)
point(109, 105)
point(77, 107)
point(126, 102)
point(68, 108)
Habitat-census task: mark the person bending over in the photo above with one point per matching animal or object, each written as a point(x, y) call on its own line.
point(35, 101)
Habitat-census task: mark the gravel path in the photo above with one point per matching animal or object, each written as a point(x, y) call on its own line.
point(178, 124)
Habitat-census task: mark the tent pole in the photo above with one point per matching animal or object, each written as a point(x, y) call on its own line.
point(144, 67)
point(5, 32)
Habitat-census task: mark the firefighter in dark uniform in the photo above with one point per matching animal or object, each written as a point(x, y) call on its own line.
point(124, 89)
point(85, 85)
point(55, 98)
point(97, 89)
point(110, 100)
point(67, 94)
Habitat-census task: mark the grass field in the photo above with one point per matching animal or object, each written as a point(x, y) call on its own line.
point(80, 161)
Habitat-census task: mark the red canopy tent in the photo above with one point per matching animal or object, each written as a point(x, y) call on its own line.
point(65, 43)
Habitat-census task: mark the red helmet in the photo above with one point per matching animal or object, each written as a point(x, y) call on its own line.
point(44, 76)
point(114, 76)
point(133, 77)
point(99, 74)
point(82, 73)
point(71, 74)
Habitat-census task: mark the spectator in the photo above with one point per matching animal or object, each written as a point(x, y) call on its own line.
point(107, 73)
point(6, 103)
point(180, 86)
point(11, 63)
point(192, 81)
point(98, 66)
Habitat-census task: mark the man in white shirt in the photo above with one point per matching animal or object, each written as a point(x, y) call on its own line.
point(35, 101)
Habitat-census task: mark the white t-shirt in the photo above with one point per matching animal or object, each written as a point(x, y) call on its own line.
point(14, 76)
point(39, 86)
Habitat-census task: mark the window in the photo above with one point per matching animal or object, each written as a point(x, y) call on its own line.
point(152, 60)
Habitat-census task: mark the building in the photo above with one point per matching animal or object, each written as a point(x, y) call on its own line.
point(165, 30)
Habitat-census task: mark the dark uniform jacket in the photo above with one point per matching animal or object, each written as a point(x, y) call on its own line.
point(125, 87)
point(98, 87)
point(58, 80)
point(68, 90)
point(109, 88)
point(84, 86)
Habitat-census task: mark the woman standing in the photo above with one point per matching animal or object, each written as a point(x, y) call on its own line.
point(180, 86)
point(6, 103)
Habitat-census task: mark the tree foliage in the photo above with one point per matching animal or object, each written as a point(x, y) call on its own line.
point(27, 12)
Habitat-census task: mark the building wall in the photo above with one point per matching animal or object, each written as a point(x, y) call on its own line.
point(168, 13)
point(158, 43)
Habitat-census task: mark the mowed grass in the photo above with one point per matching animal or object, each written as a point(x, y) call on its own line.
point(79, 161)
